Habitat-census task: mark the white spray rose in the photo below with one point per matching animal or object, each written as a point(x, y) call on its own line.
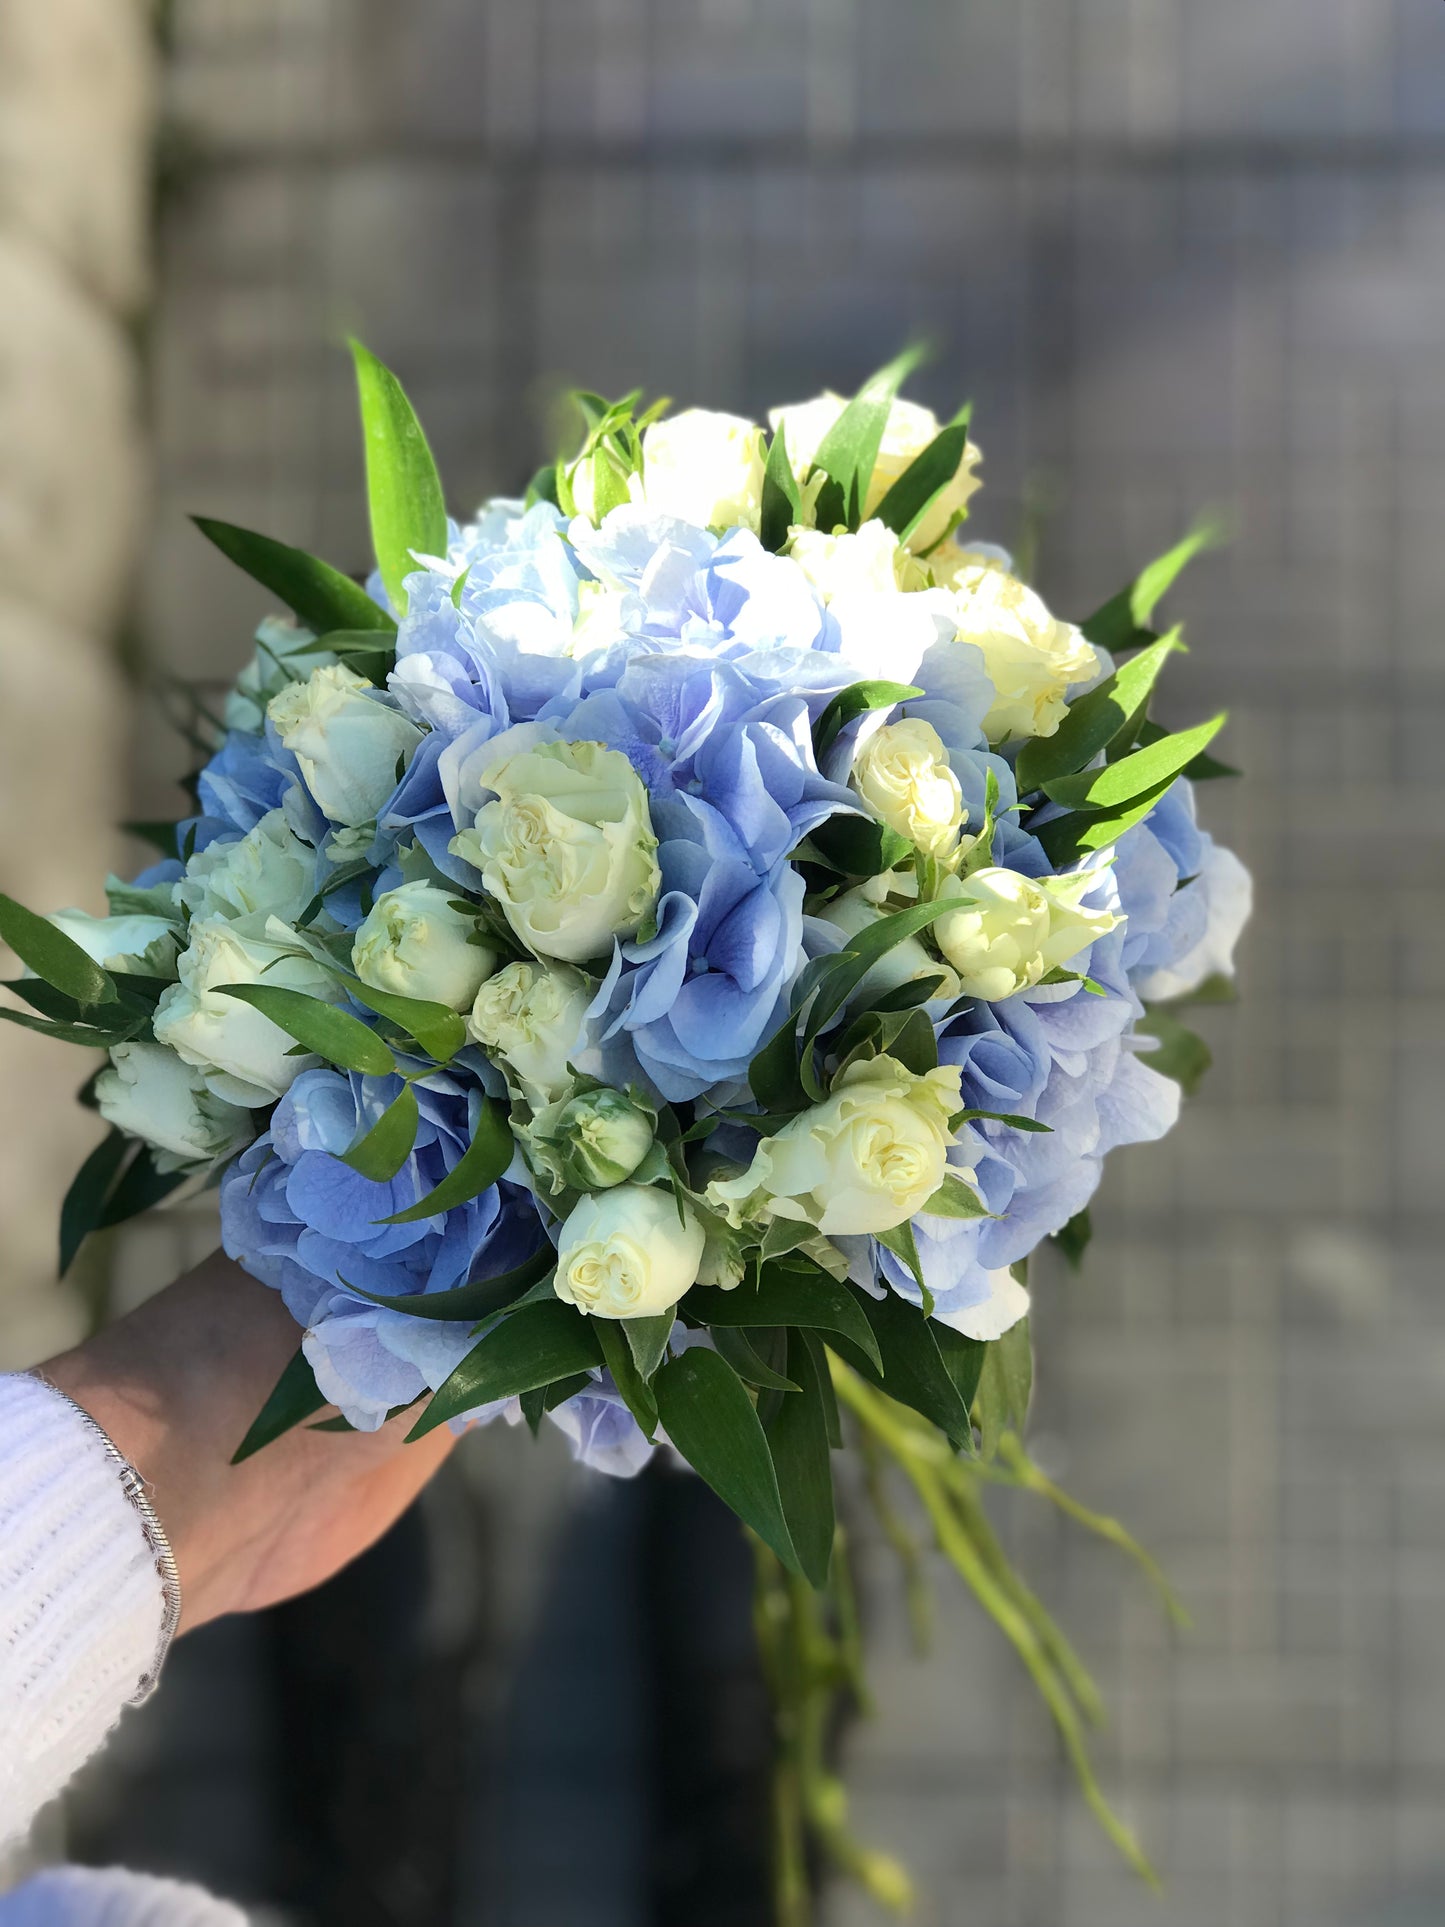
point(134, 945)
point(279, 640)
point(567, 849)
point(269, 872)
point(1031, 658)
point(534, 1019)
point(628, 1253)
point(1009, 931)
point(149, 1093)
point(904, 776)
point(415, 943)
point(870, 562)
point(905, 963)
point(866, 1159)
point(590, 1141)
point(909, 430)
point(350, 745)
point(705, 468)
point(243, 1054)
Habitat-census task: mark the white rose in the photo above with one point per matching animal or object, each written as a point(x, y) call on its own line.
point(350, 745)
point(278, 640)
point(868, 1158)
point(269, 872)
point(534, 1019)
point(868, 563)
point(905, 963)
point(132, 945)
point(149, 1093)
point(1009, 931)
point(909, 430)
point(705, 468)
point(1031, 658)
point(567, 849)
point(628, 1253)
point(243, 1054)
point(416, 944)
point(904, 776)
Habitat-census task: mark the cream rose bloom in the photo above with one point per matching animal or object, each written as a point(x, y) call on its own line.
point(1031, 658)
point(148, 1092)
point(909, 430)
point(136, 945)
point(705, 468)
point(628, 1253)
point(415, 944)
point(868, 1158)
point(903, 774)
point(567, 848)
point(1009, 931)
point(869, 563)
point(244, 1056)
point(269, 872)
point(533, 1018)
point(349, 743)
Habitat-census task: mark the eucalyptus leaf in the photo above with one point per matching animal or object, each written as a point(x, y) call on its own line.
point(710, 1419)
point(440, 1032)
point(1066, 838)
point(1123, 620)
point(484, 1161)
point(320, 596)
point(404, 491)
point(322, 1028)
point(1094, 720)
point(1118, 784)
point(528, 1350)
point(54, 956)
point(848, 453)
point(295, 1397)
point(910, 497)
point(479, 1298)
point(381, 1152)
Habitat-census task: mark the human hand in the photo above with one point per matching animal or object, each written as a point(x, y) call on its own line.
point(176, 1385)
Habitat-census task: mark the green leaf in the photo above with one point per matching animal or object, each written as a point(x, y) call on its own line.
point(782, 499)
point(343, 1040)
point(1014, 1122)
point(789, 1292)
point(848, 452)
point(1067, 838)
point(647, 1338)
point(913, 1369)
point(1182, 1053)
point(531, 1348)
point(440, 1032)
point(293, 1401)
point(141, 1186)
point(381, 1152)
point(1073, 1240)
point(54, 956)
point(1094, 720)
point(89, 1036)
point(797, 1436)
point(1002, 1401)
point(955, 1199)
point(963, 1359)
point(899, 1239)
point(84, 1204)
point(404, 491)
point(617, 1356)
point(1118, 784)
point(1123, 620)
point(773, 1074)
point(320, 596)
point(847, 969)
point(909, 499)
point(161, 836)
point(738, 1349)
point(542, 487)
point(858, 699)
point(859, 846)
point(478, 1299)
point(477, 1170)
point(710, 1419)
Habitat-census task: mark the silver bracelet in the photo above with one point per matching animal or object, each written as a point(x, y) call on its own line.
point(133, 1485)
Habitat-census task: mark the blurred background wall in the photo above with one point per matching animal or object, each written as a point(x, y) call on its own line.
point(1180, 256)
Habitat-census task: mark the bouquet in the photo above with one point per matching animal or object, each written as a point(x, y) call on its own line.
point(656, 961)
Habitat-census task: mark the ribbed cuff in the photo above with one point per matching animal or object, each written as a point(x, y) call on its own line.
point(108, 1897)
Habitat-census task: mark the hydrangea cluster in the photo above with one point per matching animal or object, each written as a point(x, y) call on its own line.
point(708, 897)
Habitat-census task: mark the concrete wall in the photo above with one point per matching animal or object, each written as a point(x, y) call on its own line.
point(75, 129)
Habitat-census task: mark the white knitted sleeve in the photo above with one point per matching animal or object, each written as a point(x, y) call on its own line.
point(82, 1897)
point(81, 1602)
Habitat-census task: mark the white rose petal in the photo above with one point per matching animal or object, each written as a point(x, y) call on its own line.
point(244, 1055)
point(908, 431)
point(350, 744)
point(269, 872)
point(705, 468)
point(628, 1253)
point(533, 1017)
point(415, 944)
point(567, 848)
point(1010, 931)
point(1031, 658)
point(134, 945)
point(866, 1159)
point(148, 1092)
point(903, 774)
